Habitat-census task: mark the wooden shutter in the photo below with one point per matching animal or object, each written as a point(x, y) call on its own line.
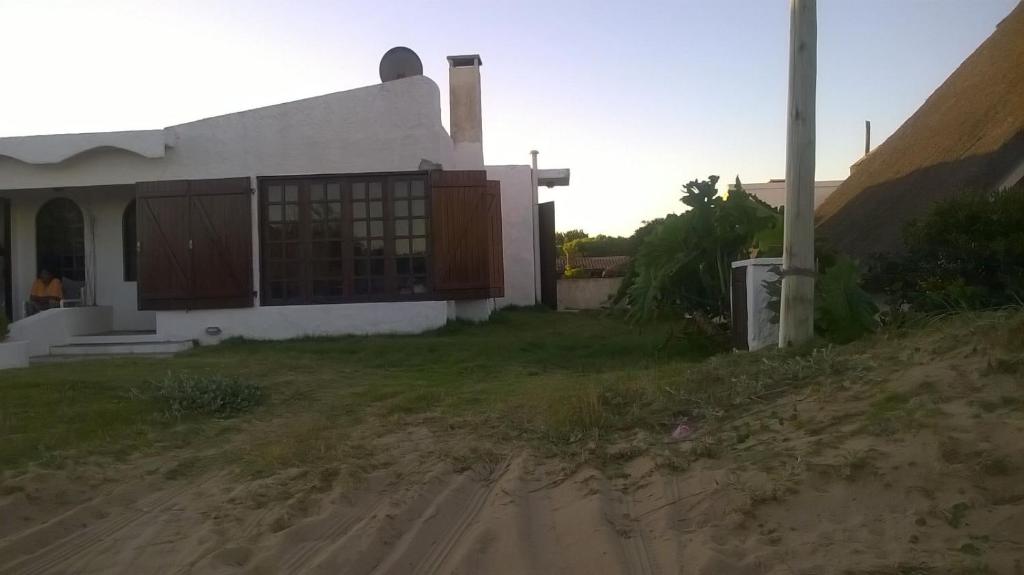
point(466, 235)
point(195, 244)
point(165, 269)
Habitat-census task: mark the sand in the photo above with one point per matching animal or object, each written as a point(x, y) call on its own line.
point(915, 470)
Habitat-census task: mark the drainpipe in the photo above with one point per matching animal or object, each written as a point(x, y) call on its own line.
point(536, 230)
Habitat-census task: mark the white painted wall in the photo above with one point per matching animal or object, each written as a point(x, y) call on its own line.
point(287, 322)
point(516, 233)
point(57, 326)
point(587, 293)
point(14, 354)
point(381, 128)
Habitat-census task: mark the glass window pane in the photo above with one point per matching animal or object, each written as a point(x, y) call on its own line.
point(401, 227)
point(359, 210)
point(359, 229)
point(359, 191)
point(316, 192)
point(274, 213)
point(291, 193)
point(402, 266)
point(376, 209)
point(275, 232)
point(334, 210)
point(334, 192)
point(291, 213)
point(401, 189)
point(401, 209)
point(418, 208)
point(359, 248)
point(377, 267)
point(291, 250)
point(334, 250)
point(334, 268)
point(362, 286)
point(376, 228)
point(419, 246)
point(274, 194)
point(376, 191)
point(417, 189)
point(401, 247)
point(419, 266)
point(360, 267)
point(275, 251)
point(317, 212)
point(419, 227)
point(377, 247)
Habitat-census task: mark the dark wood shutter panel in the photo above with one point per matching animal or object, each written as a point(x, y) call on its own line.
point(466, 235)
point(165, 266)
point(195, 239)
point(497, 256)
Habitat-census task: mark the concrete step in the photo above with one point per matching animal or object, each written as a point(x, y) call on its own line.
point(121, 348)
point(118, 337)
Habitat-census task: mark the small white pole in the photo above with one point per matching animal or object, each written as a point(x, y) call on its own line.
point(797, 313)
point(536, 228)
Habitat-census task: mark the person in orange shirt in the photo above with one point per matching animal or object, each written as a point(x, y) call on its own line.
point(47, 292)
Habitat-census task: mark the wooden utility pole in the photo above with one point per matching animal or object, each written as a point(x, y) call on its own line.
point(797, 314)
point(867, 137)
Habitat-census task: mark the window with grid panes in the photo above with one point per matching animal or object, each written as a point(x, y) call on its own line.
point(368, 253)
point(326, 227)
point(344, 238)
point(409, 214)
point(282, 243)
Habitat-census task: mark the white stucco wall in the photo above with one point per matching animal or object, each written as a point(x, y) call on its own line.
point(587, 293)
point(287, 322)
point(381, 128)
point(516, 233)
point(57, 326)
point(14, 354)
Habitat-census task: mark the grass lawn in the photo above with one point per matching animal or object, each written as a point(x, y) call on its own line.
point(527, 375)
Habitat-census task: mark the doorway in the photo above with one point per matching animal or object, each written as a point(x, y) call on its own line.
point(6, 295)
point(60, 239)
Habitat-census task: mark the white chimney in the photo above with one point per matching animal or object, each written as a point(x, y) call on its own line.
point(466, 119)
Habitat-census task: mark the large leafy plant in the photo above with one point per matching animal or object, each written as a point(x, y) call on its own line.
point(683, 263)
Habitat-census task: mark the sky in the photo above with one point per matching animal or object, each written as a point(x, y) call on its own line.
point(635, 97)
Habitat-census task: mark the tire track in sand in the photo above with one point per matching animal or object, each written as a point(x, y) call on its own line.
point(78, 544)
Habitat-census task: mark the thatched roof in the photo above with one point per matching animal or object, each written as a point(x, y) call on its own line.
point(968, 136)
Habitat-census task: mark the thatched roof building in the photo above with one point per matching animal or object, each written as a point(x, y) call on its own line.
point(967, 137)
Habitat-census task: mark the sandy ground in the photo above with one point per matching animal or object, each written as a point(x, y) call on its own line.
point(918, 472)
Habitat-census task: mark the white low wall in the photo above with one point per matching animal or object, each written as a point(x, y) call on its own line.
point(586, 293)
point(13, 354)
point(57, 326)
point(288, 322)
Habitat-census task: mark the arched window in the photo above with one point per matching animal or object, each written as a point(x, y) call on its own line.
point(129, 238)
point(60, 239)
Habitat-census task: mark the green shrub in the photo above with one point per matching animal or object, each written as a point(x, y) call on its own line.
point(843, 310)
point(3, 326)
point(182, 394)
point(576, 273)
point(967, 253)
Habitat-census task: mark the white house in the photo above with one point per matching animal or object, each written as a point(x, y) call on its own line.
point(773, 192)
point(349, 213)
